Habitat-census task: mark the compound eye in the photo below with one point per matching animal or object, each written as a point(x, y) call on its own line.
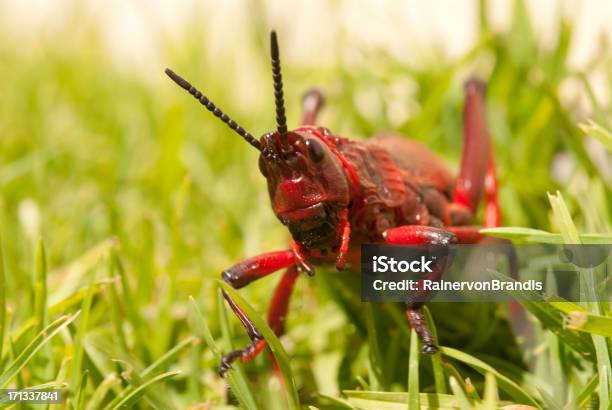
point(315, 150)
point(262, 166)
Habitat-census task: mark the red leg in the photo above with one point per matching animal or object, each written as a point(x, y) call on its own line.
point(416, 318)
point(241, 275)
point(467, 234)
point(418, 235)
point(280, 300)
point(492, 215)
point(277, 312)
point(245, 272)
point(421, 235)
point(476, 148)
point(345, 229)
point(312, 103)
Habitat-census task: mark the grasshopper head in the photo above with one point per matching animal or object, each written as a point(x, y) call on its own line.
point(306, 181)
point(307, 185)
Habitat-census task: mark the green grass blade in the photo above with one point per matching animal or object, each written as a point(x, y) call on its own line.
point(224, 324)
point(79, 340)
point(376, 400)
point(182, 198)
point(35, 345)
point(194, 386)
point(604, 386)
point(237, 374)
point(583, 399)
point(522, 40)
point(362, 383)
point(490, 392)
point(71, 301)
point(604, 368)
point(168, 357)
point(115, 314)
point(201, 327)
point(597, 131)
point(413, 372)
point(551, 318)
point(548, 400)
point(436, 359)
point(515, 232)
point(73, 272)
point(131, 309)
point(60, 306)
point(19, 384)
point(60, 380)
point(275, 345)
point(97, 398)
point(54, 384)
point(237, 381)
point(539, 236)
point(464, 402)
point(338, 402)
point(130, 396)
point(41, 302)
point(132, 381)
point(375, 363)
point(2, 304)
point(506, 384)
point(589, 323)
point(80, 395)
point(452, 371)
point(566, 307)
point(563, 219)
point(363, 404)
point(599, 113)
point(470, 390)
point(572, 136)
point(40, 285)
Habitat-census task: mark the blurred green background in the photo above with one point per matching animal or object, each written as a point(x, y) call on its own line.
point(141, 197)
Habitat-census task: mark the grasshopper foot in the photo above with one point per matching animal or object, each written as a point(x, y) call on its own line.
point(246, 354)
point(429, 349)
point(226, 361)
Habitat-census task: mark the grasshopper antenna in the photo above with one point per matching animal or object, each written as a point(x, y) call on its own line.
point(213, 108)
point(279, 101)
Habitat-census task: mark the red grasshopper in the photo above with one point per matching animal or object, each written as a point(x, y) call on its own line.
point(334, 194)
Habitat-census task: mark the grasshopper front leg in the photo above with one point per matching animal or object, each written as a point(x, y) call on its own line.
point(246, 272)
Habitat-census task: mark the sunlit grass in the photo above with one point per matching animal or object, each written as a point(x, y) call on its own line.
point(141, 199)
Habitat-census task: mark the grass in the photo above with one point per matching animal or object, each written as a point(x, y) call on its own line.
point(141, 199)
